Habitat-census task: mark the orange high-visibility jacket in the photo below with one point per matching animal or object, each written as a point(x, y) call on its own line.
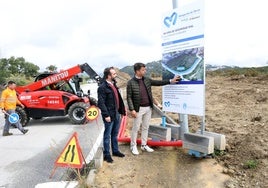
point(9, 99)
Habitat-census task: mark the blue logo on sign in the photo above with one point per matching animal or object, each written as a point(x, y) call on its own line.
point(13, 118)
point(171, 20)
point(167, 104)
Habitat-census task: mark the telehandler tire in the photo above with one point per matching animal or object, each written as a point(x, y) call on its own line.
point(24, 119)
point(77, 112)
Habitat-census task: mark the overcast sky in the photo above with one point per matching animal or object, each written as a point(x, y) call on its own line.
point(121, 32)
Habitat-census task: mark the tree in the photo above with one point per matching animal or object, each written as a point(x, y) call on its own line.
point(16, 67)
point(52, 68)
point(4, 71)
point(30, 69)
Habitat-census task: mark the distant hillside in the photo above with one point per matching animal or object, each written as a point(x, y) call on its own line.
point(218, 67)
point(245, 71)
point(154, 69)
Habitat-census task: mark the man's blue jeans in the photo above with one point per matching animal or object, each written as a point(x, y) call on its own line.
point(110, 135)
point(8, 124)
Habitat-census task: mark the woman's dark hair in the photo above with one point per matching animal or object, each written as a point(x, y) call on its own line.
point(138, 66)
point(107, 72)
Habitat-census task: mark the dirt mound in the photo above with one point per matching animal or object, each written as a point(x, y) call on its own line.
point(238, 109)
point(122, 78)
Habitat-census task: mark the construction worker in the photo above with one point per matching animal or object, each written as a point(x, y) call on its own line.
point(8, 104)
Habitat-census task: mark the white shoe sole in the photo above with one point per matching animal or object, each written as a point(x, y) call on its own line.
point(147, 150)
point(134, 152)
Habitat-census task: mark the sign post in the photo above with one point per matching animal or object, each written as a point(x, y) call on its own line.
point(183, 118)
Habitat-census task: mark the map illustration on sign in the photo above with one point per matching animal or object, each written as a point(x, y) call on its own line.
point(189, 64)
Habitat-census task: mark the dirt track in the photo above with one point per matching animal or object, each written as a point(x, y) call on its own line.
point(236, 107)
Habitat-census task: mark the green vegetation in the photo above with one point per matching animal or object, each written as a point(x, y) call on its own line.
point(235, 71)
point(17, 69)
point(218, 153)
point(51, 68)
point(251, 164)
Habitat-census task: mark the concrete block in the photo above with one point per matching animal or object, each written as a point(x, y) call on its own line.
point(219, 139)
point(159, 132)
point(197, 142)
point(98, 158)
point(175, 131)
point(91, 177)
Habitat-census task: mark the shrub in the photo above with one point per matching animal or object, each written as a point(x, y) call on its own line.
point(251, 164)
point(218, 152)
point(251, 72)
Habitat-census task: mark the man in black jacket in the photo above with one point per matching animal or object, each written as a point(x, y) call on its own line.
point(140, 104)
point(111, 105)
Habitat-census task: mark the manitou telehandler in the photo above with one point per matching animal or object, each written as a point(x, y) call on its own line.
point(57, 94)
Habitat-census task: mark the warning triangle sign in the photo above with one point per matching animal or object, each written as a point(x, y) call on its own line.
point(71, 156)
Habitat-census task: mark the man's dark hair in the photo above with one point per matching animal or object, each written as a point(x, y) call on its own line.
point(107, 72)
point(11, 82)
point(138, 66)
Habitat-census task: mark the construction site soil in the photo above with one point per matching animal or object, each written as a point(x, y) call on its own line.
point(236, 107)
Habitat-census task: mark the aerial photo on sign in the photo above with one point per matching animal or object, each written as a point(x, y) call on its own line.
point(187, 63)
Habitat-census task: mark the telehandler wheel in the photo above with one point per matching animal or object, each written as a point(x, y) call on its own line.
point(24, 119)
point(77, 112)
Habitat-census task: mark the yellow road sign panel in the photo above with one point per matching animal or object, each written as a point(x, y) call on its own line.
point(92, 113)
point(71, 156)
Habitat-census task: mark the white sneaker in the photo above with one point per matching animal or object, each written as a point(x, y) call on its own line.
point(134, 150)
point(146, 148)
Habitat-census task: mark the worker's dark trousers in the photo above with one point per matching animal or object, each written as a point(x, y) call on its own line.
point(8, 124)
